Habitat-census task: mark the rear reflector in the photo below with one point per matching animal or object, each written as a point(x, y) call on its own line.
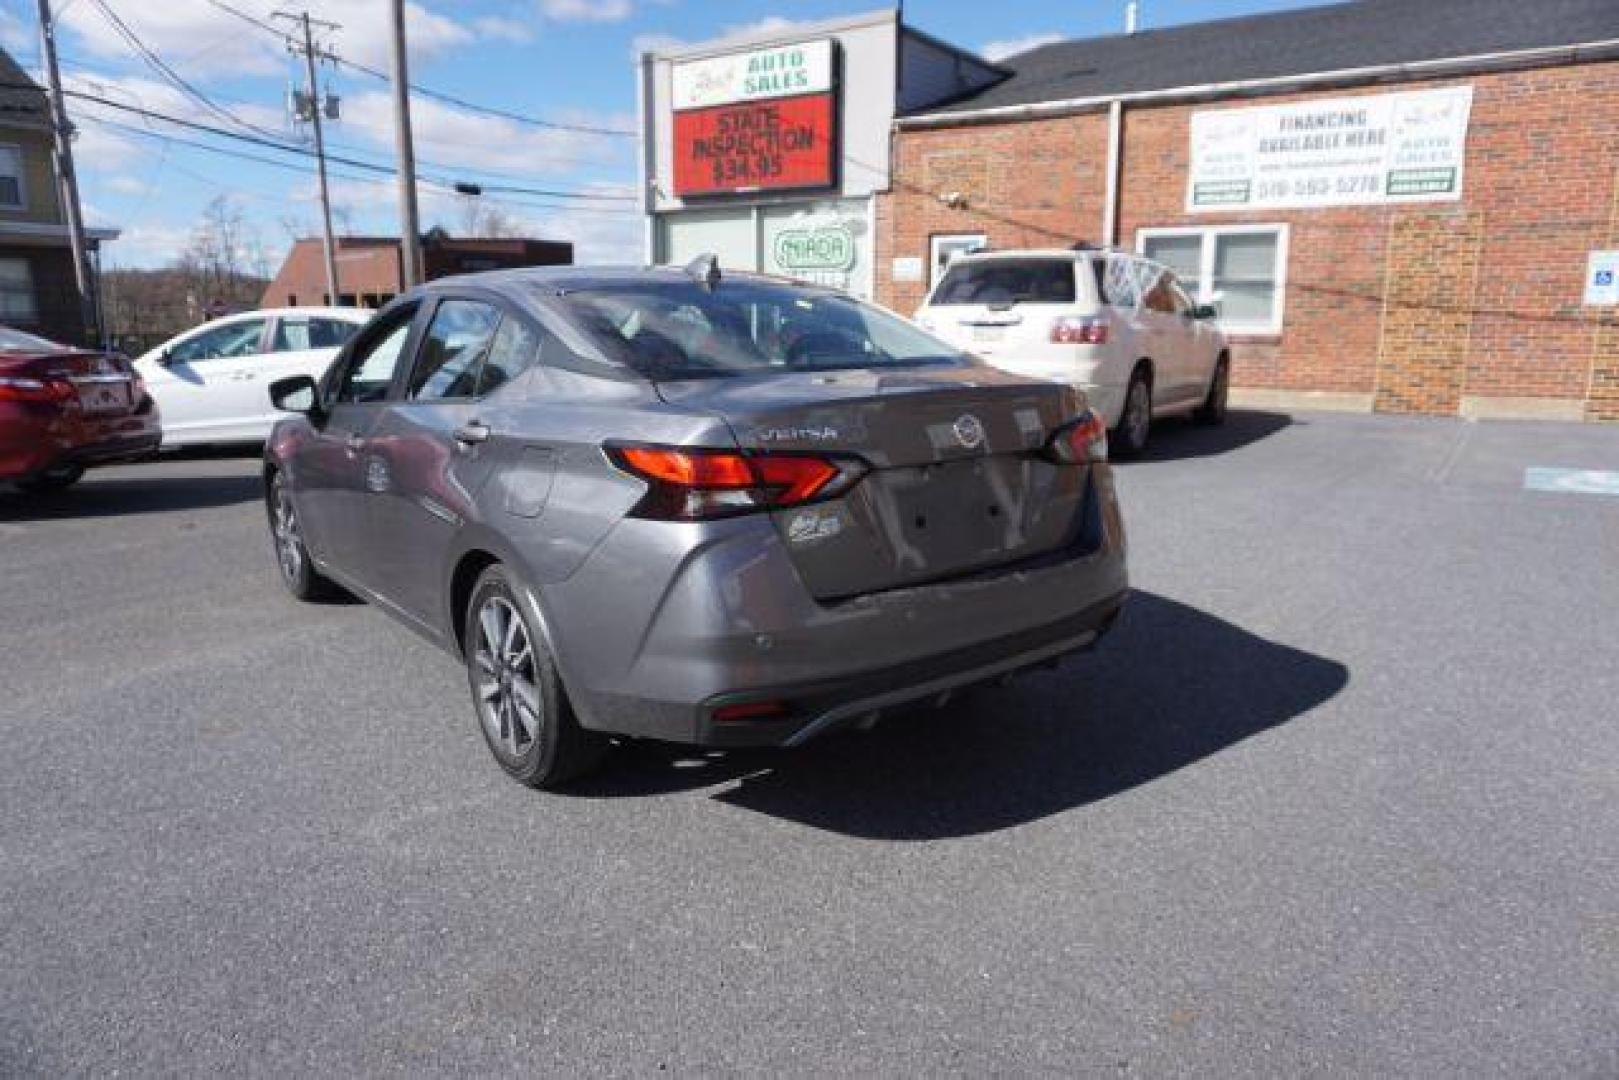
point(1072, 330)
point(686, 484)
point(751, 710)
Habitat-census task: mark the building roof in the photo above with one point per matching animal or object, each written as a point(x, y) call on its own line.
point(1336, 37)
point(19, 104)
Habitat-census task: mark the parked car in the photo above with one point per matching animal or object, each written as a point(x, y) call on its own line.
point(723, 511)
point(1117, 325)
point(213, 381)
point(64, 409)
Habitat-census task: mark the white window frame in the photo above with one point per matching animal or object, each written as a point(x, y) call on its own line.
point(21, 177)
point(1205, 268)
point(935, 271)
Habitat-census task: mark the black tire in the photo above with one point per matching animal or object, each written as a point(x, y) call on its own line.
point(1212, 412)
point(517, 694)
point(298, 571)
point(1130, 438)
point(62, 476)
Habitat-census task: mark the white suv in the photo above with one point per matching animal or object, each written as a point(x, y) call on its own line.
point(1118, 326)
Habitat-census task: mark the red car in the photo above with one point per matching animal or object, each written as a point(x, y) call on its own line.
point(64, 409)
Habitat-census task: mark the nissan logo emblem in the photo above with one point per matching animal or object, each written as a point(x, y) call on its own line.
point(969, 432)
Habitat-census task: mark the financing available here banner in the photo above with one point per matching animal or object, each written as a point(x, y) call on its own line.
point(1355, 151)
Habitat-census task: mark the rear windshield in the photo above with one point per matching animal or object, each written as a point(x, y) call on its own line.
point(17, 341)
point(681, 330)
point(1005, 282)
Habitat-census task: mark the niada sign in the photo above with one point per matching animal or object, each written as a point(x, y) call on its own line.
point(1356, 151)
point(755, 75)
point(825, 247)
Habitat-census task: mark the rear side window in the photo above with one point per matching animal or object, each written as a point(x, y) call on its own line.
point(452, 350)
point(515, 347)
point(1007, 281)
point(295, 333)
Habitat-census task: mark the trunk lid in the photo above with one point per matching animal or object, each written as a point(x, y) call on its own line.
point(104, 384)
point(957, 482)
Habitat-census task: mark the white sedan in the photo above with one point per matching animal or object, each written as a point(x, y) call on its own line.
point(213, 383)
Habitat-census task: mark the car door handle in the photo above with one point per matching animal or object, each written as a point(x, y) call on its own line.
point(354, 444)
point(472, 434)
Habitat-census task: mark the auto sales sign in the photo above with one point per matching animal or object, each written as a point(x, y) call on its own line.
point(759, 120)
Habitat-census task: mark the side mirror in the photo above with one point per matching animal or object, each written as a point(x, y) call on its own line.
point(1205, 311)
point(165, 358)
point(296, 394)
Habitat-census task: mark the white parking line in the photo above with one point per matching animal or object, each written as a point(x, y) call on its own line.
point(1572, 481)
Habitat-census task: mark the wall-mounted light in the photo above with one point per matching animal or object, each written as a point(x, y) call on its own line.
point(955, 200)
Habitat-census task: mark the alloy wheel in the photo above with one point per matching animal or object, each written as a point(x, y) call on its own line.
point(289, 545)
point(505, 679)
point(1138, 413)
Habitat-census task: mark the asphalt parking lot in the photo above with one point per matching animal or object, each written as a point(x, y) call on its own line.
point(1341, 795)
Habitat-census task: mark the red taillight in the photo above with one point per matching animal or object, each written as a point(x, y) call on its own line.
point(1071, 330)
point(1083, 440)
point(49, 391)
point(750, 710)
point(689, 485)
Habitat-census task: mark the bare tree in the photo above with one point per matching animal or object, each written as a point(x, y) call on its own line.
point(484, 219)
point(224, 264)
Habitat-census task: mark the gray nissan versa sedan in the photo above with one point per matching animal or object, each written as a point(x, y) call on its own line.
point(674, 504)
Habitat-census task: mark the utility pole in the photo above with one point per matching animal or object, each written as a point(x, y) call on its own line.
point(410, 233)
point(310, 55)
point(67, 181)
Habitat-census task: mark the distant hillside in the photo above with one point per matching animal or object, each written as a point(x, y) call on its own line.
point(145, 307)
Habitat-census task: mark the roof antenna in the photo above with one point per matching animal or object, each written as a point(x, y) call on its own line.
point(705, 270)
point(1132, 16)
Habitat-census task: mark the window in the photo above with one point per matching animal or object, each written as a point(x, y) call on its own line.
point(17, 303)
point(452, 350)
point(684, 331)
point(516, 346)
point(241, 337)
point(295, 333)
point(1006, 281)
point(13, 193)
point(1239, 269)
point(371, 365)
point(943, 248)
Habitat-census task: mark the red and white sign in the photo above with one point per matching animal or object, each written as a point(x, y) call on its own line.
point(756, 146)
point(760, 120)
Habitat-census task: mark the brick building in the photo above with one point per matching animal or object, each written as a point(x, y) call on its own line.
point(1401, 205)
point(370, 269)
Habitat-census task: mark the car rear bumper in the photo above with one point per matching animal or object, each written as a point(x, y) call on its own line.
point(35, 440)
point(818, 708)
point(732, 623)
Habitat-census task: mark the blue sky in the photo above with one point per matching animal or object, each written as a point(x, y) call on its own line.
point(564, 61)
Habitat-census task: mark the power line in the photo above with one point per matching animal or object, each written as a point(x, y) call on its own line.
point(438, 95)
point(291, 148)
point(98, 79)
point(242, 155)
point(157, 64)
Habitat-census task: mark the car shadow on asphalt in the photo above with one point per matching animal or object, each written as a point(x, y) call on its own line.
point(1170, 687)
point(1179, 438)
point(98, 496)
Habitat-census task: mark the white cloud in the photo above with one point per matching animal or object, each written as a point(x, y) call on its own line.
point(499, 28)
point(769, 25)
point(587, 10)
point(449, 134)
point(147, 245)
point(201, 39)
point(999, 50)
